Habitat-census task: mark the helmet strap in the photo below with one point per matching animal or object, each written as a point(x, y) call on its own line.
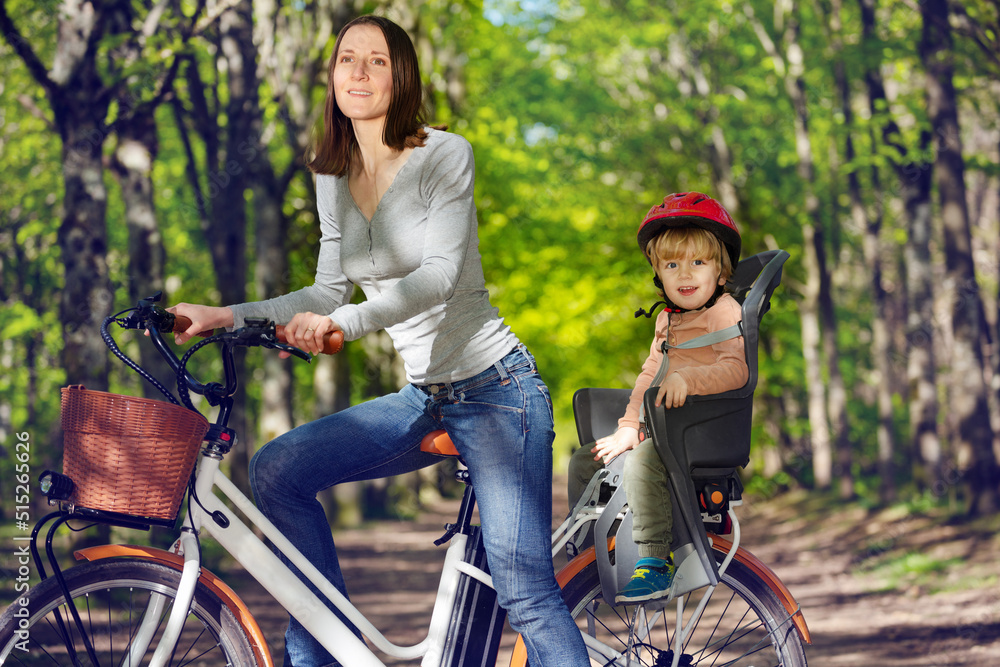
point(671, 307)
point(652, 309)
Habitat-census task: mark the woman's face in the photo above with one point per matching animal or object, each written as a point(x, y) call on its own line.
point(362, 74)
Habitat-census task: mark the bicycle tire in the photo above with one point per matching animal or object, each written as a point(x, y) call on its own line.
point(111, 597)
point(744, 624)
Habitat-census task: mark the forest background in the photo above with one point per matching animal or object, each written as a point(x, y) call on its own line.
point(158, 146)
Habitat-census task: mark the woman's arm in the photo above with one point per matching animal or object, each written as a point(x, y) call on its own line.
point(330, 288)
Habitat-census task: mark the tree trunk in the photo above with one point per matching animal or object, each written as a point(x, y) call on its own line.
point(827, 412)
point(79, 101)
point(871, 224)
point(132, 164)
point(918, 357)
point(332, 382)
point(271, 277)
point(921, 335)
point(223, 200)
point(967, 404)
point(719, 155)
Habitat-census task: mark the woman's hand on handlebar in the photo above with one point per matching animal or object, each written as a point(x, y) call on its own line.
point(306, 330)
point(203, 318)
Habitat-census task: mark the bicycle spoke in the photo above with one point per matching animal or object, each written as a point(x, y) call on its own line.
point(741, 631)
point(743, 624)
point(126, 604)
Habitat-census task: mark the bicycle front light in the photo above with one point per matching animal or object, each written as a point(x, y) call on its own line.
point(56, 485)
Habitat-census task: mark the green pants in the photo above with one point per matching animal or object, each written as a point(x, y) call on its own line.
point(645, 482)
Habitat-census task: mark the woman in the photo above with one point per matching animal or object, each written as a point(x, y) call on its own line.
point(396, 209)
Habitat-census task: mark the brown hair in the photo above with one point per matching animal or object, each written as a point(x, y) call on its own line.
point(690, 242)
point(404, 124)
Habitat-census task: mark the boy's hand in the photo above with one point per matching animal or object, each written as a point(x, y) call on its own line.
point(612, 445)
point(673, 392)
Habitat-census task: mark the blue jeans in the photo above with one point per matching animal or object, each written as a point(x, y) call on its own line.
point(501, 422)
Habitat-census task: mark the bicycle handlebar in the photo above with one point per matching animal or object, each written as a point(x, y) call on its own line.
point(333, 341)
point(157, 321)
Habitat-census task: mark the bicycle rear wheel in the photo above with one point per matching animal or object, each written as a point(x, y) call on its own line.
point(744, 624)
point(115, 598)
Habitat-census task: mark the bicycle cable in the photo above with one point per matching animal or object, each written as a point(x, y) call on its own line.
point(182, 389)
point(217, 516)
point(113, 346)
point(197, 538)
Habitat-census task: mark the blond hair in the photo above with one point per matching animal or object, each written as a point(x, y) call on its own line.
point(690, 242)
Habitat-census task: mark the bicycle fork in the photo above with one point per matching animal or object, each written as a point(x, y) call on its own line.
point(178, 614)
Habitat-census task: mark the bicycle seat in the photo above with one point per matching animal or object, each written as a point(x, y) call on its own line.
point(438, 442)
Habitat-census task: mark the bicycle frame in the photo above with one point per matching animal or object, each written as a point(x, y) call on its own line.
point(279, 581)
point(261, 563)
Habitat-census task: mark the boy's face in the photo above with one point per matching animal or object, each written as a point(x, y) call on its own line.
point(689, 281)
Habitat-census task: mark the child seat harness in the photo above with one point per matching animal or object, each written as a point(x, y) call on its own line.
point(704, 340)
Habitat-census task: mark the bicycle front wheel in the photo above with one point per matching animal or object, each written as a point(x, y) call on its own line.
point(744, 624)
point(123, 606)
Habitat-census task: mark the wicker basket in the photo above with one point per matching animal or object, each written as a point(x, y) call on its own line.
point(128, 455)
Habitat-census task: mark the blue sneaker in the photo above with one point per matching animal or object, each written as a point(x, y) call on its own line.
point(651, 580)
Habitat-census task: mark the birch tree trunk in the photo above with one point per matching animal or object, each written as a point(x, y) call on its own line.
point(79, 100)
point(720, 157)
point(967, 403)
point(870, 223)
point(132, 164)
point(914, 188)
point(827, 412)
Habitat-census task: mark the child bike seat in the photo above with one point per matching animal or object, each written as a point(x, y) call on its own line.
point(704, 442)
point(597, 411)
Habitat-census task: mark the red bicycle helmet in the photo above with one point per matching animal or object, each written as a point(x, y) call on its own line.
point(692, 208)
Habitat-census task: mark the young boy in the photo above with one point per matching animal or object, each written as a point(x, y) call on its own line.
point(693, 245)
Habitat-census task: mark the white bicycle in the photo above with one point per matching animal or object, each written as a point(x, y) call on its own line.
point(135, 463)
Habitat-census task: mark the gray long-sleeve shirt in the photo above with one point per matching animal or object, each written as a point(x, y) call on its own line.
point(417, 261)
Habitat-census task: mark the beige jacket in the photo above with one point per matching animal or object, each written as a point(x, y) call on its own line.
point(708, 370)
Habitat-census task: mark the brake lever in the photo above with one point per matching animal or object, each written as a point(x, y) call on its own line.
point(291, 349)
point(263, 332)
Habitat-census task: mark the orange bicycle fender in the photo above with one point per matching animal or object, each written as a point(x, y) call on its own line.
point(213, 582)
point(588, 556)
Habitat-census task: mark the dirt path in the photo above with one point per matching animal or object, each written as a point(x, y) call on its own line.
point(882, 590)
point(892, 589)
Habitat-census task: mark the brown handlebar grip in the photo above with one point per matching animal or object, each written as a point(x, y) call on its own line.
point(333, 341)
point(182, 323)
